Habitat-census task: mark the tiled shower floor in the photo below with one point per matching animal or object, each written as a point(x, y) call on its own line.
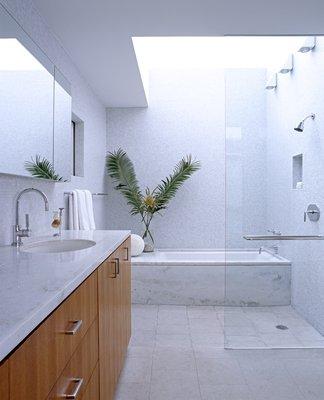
point(176, 353)
point(256, 327)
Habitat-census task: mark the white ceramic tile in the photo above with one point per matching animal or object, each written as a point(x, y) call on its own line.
point(136, 370)
point(173, 359)
point(199, 339)
point(170, 385)
point(175, 340)
point(306, 372)
point(219, 371)
point(280, 340)
point(241, 331)
point(132, 391)
point(214, 352)
point(140, 351)
point(143, 338)
point(169, 328)
point(313, 392)
point(271, 391)
point(226, 392)
point(245, 342)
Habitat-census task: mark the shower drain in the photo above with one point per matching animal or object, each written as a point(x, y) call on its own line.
point(282, 327)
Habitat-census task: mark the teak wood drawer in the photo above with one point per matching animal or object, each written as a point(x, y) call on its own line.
point(78, 350)
point(77, 373)
point(40, 360)
point(92, 389)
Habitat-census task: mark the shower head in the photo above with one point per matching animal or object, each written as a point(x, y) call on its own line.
point(300, 126)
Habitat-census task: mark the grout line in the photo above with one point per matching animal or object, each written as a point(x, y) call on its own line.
point(153, 353)
point(194, 354)
point(294, 380)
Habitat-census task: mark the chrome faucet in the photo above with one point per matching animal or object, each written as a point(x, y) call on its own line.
point(19, 232)
point(274, 249)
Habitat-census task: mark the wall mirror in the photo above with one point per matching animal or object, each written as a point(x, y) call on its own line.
point(35, 104)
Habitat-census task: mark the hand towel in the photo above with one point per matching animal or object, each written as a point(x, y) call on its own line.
point(82, 210)
point(73, 211)
point(89, 205)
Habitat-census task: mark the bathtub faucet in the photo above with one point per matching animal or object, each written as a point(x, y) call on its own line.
point(274, 249)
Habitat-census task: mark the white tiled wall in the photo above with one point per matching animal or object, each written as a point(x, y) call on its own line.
point(297, 95)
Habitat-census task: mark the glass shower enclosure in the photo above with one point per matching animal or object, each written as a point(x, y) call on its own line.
point(274, 275)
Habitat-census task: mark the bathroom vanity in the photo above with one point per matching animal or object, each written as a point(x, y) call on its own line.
point(65, 319)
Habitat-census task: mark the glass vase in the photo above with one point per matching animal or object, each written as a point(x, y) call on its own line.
point(148, 240)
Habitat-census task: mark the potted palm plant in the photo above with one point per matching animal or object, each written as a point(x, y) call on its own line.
point(121, 169)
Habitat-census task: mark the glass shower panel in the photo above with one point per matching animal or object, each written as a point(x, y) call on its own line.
point(273, 287)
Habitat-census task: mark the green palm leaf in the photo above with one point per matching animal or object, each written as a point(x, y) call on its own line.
point(166, 190)
point(42, 168)
point(121, 170)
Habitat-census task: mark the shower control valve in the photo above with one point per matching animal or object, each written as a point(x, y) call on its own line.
point(313, 213)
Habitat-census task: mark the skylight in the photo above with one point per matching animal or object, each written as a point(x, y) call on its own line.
point(212, 52)
point(15, 57)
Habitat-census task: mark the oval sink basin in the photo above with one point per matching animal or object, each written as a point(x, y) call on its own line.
point(58, 246)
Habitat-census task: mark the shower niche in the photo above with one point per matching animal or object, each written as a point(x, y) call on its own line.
point(297, 171)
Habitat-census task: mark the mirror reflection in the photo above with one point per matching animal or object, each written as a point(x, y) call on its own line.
point(26, 107)
point(35, 108)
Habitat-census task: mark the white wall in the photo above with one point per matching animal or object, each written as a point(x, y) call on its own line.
point(297, 95)
point(87, 106)
point(186, 115)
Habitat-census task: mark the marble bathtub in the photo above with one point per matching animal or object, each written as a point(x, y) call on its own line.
point(233, 278)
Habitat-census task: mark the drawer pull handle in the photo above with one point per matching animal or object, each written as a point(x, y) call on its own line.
point(127, 254)
point(117, 265)
point(78, 384)
point(114, 274)
point(76, 326)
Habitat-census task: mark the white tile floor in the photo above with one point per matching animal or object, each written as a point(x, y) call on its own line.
point(176, 354)
point(256, 327)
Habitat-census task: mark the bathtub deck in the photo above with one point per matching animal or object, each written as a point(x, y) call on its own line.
point(177, 353)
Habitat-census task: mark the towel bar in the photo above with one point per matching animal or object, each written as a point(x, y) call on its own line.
point(283, 237)
point(93, 194)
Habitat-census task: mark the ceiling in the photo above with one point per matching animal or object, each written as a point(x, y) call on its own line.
point(97, 34)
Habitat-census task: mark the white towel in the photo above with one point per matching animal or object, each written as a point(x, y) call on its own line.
point(73, 211)
point(81, 210)
point(89, 205)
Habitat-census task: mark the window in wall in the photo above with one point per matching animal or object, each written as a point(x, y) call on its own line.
point(77, 130)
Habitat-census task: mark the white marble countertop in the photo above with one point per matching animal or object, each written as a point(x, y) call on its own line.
point(32, 285)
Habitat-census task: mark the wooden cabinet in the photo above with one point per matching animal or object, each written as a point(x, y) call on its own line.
point(4, 380)
point(81, 346)
point(114, 317)
point(79, 369)
point(40, 360)
point(92, 390)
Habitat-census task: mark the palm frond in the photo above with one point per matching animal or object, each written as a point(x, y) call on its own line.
point(42, 168)
point(167, 189)
point(121, 170)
